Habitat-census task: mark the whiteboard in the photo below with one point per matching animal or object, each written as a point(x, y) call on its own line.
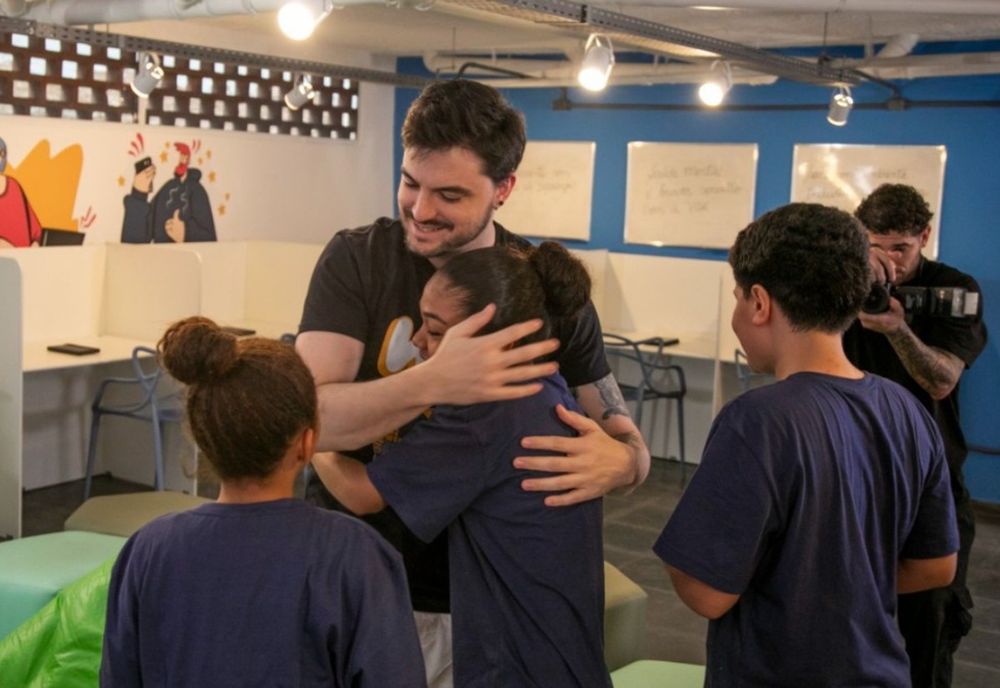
point(689, 194)
point(551, 197)
point(841, 175)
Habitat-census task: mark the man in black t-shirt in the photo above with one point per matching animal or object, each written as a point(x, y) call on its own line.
point(462, 143)
point(927, 356)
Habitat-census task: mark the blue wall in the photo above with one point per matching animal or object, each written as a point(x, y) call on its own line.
point(970, 217)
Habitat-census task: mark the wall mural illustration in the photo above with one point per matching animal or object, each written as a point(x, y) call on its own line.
point(180, 210)
point(39, 194)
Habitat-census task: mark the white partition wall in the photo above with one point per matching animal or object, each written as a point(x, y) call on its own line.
point(598, 264)
point(146, 288)
point(278, 277)
point(670, 297)
point(223, 268)
point(10, 398)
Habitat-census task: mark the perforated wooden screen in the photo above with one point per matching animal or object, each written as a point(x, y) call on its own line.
point(48, 77)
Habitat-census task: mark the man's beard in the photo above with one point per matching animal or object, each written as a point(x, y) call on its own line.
point(181, 170)
point(453, 243)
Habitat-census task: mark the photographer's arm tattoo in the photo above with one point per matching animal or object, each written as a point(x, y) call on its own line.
point(936, 370)
point(612, 401)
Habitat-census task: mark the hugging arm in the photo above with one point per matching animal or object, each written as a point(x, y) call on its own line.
point(464, 370)
point(608, 453)
point(348, 481)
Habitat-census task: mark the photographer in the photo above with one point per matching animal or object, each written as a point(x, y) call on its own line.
point(926, 354)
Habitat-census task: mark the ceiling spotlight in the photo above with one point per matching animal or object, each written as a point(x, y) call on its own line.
point(301, 93)
point(714, 91)
point(148, 76)
point(598, 61)
point(841, 103)
point(299, 18)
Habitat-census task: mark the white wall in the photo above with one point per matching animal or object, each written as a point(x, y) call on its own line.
point(272, 187)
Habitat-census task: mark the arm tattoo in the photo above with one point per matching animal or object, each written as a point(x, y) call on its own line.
point(611, 397)
point(933, 369)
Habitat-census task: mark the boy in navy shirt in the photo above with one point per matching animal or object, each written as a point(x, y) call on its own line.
point(819, 497)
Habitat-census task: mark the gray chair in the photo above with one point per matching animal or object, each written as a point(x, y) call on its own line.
point(146, 405)
point(656, 380)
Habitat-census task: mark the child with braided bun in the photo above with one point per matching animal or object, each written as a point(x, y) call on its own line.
point(257, 588)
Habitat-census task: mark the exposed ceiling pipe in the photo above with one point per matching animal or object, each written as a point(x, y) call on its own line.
point(898, 46)
point(77, 12)
point(922, 66)
point(985, 7)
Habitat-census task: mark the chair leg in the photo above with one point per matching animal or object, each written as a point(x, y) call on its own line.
point(157, 454)
point(91, 453)
point(680, 438)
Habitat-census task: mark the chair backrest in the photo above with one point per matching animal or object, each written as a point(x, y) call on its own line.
point(653, 371)
point(147, 376)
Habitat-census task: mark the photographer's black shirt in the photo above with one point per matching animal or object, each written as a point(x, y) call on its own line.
point(963, 337)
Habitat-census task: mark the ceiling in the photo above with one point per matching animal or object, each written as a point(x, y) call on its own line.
point(492, 28)
point(685, 38)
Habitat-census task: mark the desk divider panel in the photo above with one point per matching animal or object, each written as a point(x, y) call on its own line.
point(223, 279)
point(728, 341)
point(673, 297)
point(278, 275)
point(11, 394)
point(147, 288)
point(598, 266)
point(61, 292)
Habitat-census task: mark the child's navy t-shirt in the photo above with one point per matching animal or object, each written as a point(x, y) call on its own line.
point(527, 580)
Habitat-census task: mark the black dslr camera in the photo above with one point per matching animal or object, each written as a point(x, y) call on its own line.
point(935, 302)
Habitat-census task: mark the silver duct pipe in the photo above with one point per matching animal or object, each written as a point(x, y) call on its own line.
point(77, 12)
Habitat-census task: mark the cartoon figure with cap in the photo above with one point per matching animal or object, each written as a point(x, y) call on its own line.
point(19, 226)
point(180, 211)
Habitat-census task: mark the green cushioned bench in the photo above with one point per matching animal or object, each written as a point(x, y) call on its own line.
point(624, 618)
point(651, 673)
point(34, 569)
point(124, 514)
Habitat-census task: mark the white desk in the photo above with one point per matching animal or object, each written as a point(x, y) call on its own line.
point(37, 357)
point(113, 297)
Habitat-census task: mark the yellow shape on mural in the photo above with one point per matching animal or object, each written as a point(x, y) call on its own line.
point(211, 176)
point(51, 183)
point(222, 209)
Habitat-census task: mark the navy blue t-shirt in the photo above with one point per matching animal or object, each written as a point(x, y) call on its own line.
point(809, 493)
point(269, 594)
point(527, 581)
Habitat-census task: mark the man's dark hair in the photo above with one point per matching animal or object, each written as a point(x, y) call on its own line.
point(811, 259)
point(467, 114)
point(894, 208)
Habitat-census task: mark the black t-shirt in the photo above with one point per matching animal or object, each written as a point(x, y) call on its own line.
point(963, 337)
point(367, 285)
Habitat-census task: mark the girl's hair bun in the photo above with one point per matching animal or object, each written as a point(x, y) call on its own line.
point(196, 351)
point(564, 279)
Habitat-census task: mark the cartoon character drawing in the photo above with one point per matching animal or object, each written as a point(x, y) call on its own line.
point(19, 225)
point(180, 211)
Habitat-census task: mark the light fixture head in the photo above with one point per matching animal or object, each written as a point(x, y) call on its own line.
point(598, 61)
point(298, 19)
point(148, 76)
point(841, 103)
point(301, 93)
point(714, 90)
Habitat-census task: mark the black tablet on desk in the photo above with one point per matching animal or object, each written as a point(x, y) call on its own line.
point(73, 349)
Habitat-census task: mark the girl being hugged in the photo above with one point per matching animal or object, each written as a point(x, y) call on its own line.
point(257, 588)
point(527, 586)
